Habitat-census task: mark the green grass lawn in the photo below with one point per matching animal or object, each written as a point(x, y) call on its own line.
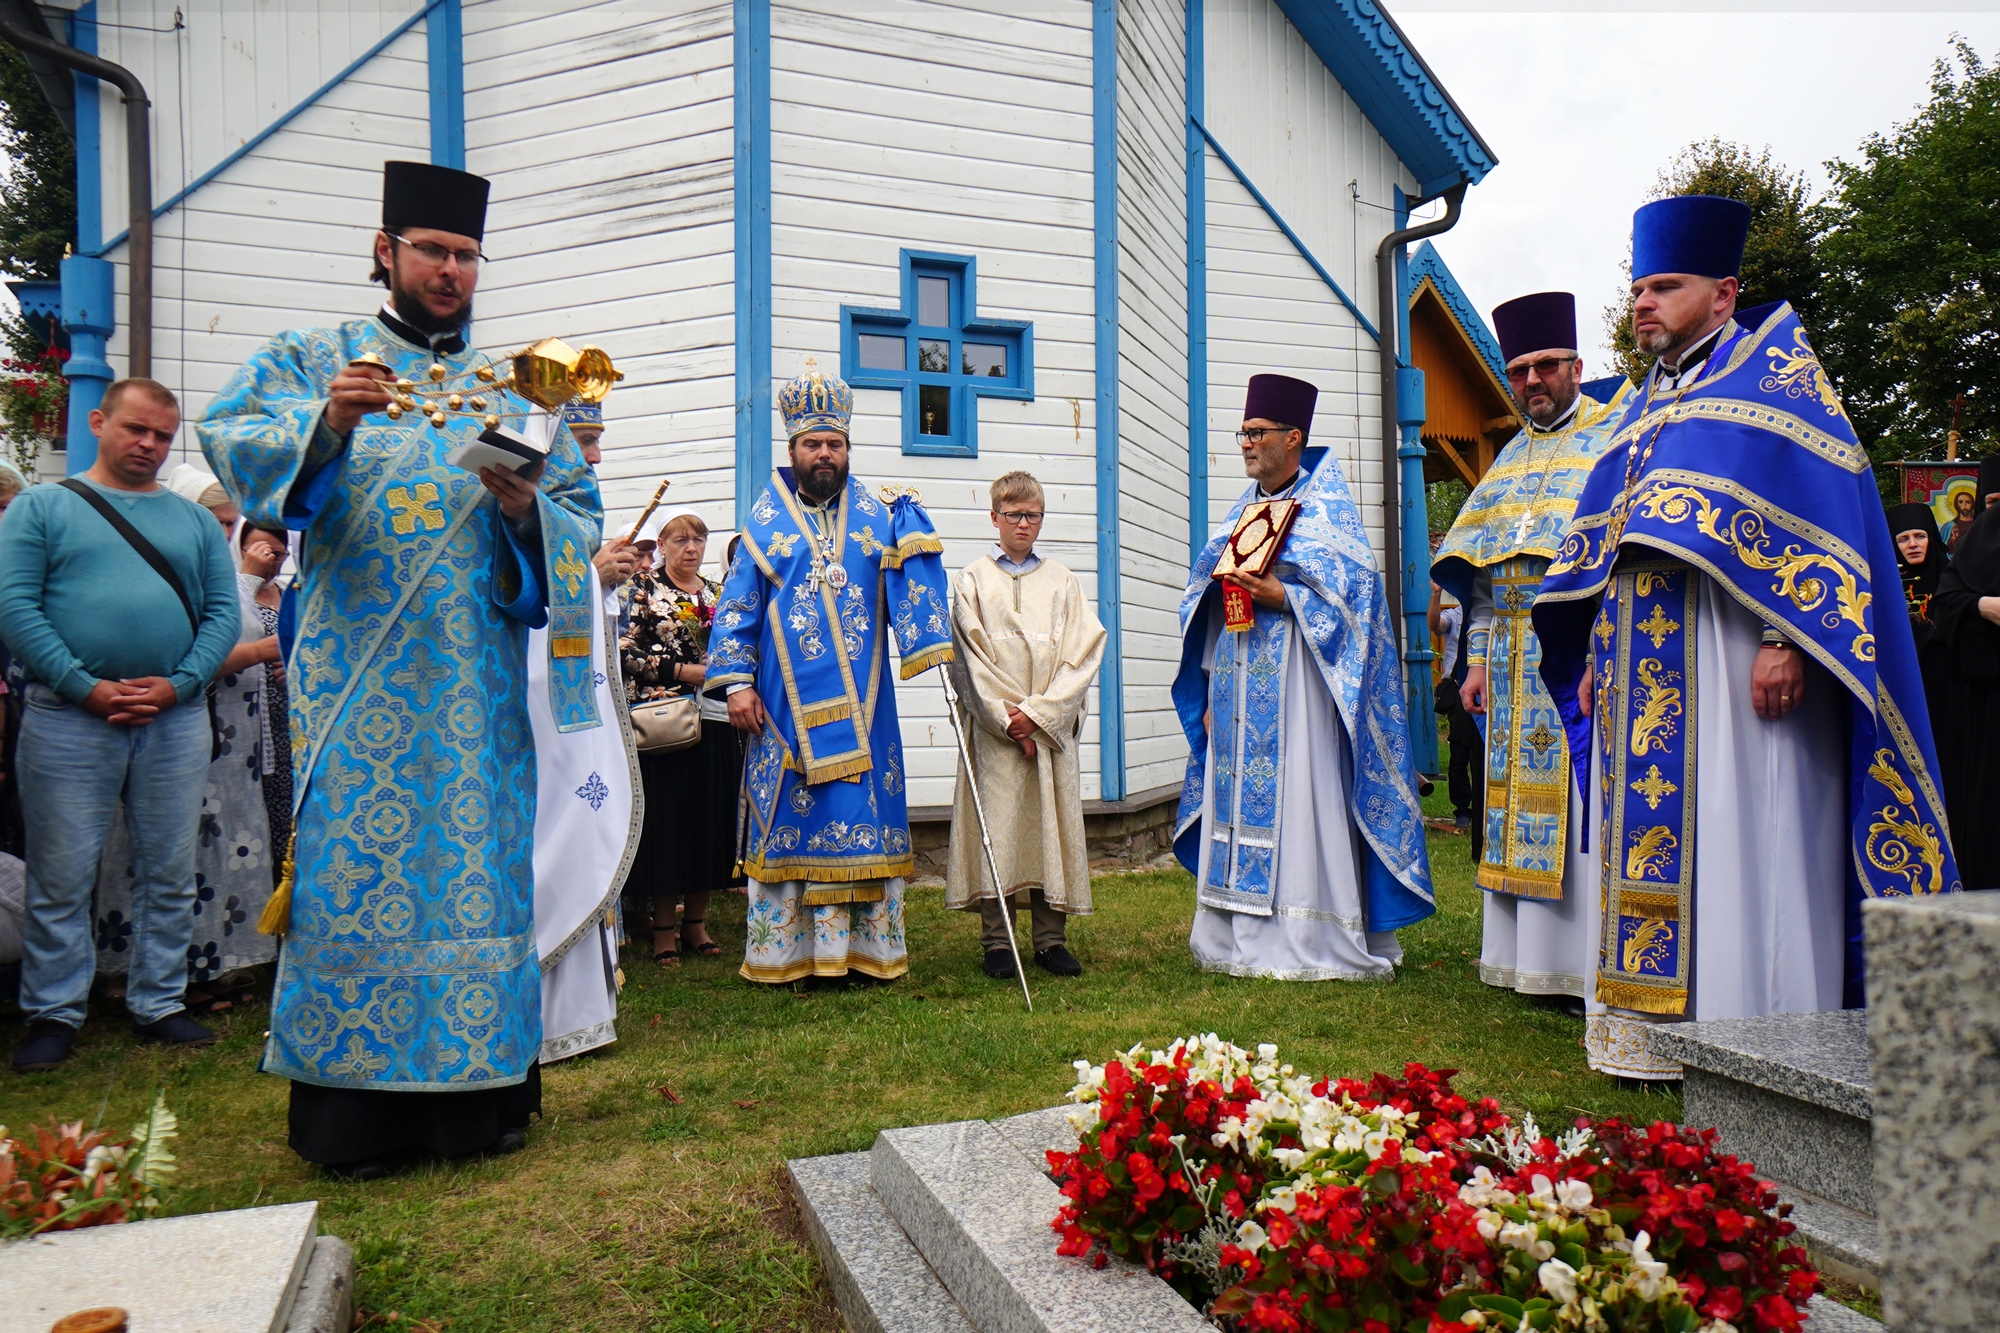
point(629, 1212)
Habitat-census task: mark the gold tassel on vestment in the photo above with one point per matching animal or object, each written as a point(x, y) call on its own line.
point(277, 915)
point(864, 891)
point(1641, 999)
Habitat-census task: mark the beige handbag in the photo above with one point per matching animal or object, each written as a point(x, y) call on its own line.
point(662, 726)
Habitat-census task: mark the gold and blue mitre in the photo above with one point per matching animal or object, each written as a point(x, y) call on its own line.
point(815, 402)
point(577, 412)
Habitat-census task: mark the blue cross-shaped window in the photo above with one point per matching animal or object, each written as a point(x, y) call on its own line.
point(938, 354)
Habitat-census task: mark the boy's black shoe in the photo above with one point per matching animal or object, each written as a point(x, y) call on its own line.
point(998, 964)
point(176, 1029)
point(48, 1045)
point(1058, 961)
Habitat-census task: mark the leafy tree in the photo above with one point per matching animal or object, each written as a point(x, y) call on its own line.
point(1780, 258)
point(1911, 307)
point(1444, 499)
point(38, 193)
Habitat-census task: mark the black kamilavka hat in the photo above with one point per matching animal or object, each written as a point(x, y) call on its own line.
point(422, 194)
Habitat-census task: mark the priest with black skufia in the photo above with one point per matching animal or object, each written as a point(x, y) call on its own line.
point(407, 1008)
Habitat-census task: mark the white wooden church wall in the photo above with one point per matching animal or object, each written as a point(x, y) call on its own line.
point(964, 128)
point(606, 129)
point(1152, 390)
point(280, 238)
point(1286, 121)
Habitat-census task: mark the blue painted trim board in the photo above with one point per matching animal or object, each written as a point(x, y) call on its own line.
point(1104, 180)
point(1297, 242)
point(1381, 70)
point(445, 37)
point(250, 145)
point(753, 251)
point(1197, 280)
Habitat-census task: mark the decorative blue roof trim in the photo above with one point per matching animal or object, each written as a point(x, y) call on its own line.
point(1428, 263)
point(1394, 88)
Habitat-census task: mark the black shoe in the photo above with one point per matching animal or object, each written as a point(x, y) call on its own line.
point(368, 1168)
point(998, 964)
point(48, 1045)
point(176, 1029)
point(1462, 821)
point(510, 1141)
point(1058, 961)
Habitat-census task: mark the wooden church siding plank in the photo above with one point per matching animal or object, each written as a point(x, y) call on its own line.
point(518, 46)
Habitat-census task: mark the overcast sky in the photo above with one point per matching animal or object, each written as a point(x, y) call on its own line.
point(1584, 108)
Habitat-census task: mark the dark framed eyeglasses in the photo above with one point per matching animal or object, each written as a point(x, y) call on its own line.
point(435, 255)
point(1022, 518)
point(1544, 368)
point(1256, 434)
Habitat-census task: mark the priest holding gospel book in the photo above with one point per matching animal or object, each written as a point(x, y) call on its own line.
point(1299, 814)
point(407, 1009)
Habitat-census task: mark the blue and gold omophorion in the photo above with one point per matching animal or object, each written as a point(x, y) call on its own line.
point(805, 616)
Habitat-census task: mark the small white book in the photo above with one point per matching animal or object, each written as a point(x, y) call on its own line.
point(498, 447)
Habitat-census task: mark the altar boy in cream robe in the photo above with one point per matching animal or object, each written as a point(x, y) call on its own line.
point(1027, 647)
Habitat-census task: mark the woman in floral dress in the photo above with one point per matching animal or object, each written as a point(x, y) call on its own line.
point(688, 847)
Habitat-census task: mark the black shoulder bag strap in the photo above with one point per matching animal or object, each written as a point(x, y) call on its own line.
point(137, 540)
point(151, 555)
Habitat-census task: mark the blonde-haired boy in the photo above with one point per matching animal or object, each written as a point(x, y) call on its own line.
point(1028, 646)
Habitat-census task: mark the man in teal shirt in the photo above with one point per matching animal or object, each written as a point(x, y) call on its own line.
point(118, 663)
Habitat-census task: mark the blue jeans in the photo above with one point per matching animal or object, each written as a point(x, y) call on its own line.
point(74, 768)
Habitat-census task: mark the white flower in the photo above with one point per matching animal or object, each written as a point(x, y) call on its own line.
point(1541, 1191)
point(1558, 1279)
point(1649, 1275)
point(1489, 1224)
point(1574, 1195)
point(1251, 1236)
point(1266, 1052)
point(1373, 1142)
point(1542, 1249)
point(1518, 1235)
point(1353, 1135)
point(1717, 1326)
point(1289, 1158)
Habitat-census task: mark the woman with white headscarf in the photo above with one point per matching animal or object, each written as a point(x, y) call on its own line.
point(688, 848)
point(234, 851)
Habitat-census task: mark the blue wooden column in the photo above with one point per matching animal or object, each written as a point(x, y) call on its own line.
point(445, 34)
point(1110, 600)
point(1415, 520)
point(753, 251)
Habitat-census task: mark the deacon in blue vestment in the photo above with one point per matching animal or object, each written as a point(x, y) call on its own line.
point(801, 644)
point(1298, 814)
point(1743, 704)
point(407, 1007)
point(1539, 911)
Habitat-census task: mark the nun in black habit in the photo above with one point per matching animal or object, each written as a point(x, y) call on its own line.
point(1965, 711)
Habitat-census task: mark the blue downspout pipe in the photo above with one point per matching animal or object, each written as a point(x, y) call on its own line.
point(1404, 523)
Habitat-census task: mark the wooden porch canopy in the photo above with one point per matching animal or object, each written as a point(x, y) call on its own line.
point(1468, 413)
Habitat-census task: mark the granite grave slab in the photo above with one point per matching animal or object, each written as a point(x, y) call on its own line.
point(1934, 1042)
point(879, 1281)
point(978, 1211)
point(229, 1272)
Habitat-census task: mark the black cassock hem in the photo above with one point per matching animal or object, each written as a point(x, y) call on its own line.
point(331, 1126)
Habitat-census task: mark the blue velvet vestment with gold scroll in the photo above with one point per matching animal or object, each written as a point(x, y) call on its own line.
point(828, 802)
point(1751, 475)
point(1511, 527)
point(1335, 594)
point(410, 960)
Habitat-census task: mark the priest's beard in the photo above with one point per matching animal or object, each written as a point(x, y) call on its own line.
point(822, 481)
point(1669, 340)
point(406, 293)
point(1558, 403)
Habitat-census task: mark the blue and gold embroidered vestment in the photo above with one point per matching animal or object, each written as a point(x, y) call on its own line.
point(1510, 528)
point(1335, 595)
point(410, 960)
point(1752, 475)
point(803, 617)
